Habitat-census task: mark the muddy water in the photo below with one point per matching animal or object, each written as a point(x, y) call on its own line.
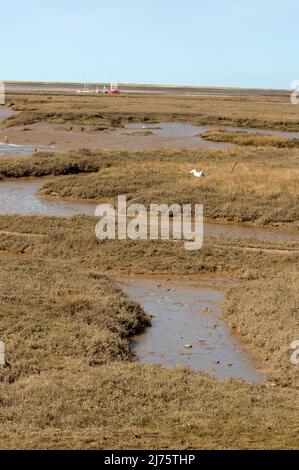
point(185, 135)
point(40, 136)
point(188, 312)
point(8, 149)
point(18, 196)
point(6, 112)
point(180, 130)
point(14, 150)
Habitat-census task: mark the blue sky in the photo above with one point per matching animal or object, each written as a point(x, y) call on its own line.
point(192, 42)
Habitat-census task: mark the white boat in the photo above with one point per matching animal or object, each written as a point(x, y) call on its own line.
point(85, 90)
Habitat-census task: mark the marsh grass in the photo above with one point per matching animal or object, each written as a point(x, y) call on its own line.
point(243, 138)
point(140, 133)
point(55, 313)
point(266, 312)
point(131, 406)
point(256, 112)
point(46, 163)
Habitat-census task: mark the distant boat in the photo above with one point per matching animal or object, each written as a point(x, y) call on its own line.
point(85, 90)
point(114, 90)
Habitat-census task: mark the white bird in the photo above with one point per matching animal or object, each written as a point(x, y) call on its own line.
point(198, 174)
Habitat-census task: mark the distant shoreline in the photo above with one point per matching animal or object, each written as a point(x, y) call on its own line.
point(61, 87)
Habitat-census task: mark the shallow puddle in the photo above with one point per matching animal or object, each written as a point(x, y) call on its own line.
point(193, 133)
point(187, 326)
point(14, 150)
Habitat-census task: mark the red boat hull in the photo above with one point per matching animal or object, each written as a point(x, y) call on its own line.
point(114, 92)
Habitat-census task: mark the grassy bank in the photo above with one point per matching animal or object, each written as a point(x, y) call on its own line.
point(121, 406)
point(243, 138)
point(263, 190)
point(57, 315)
point(56, 238)
point(45, 164)
point(265, 311)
